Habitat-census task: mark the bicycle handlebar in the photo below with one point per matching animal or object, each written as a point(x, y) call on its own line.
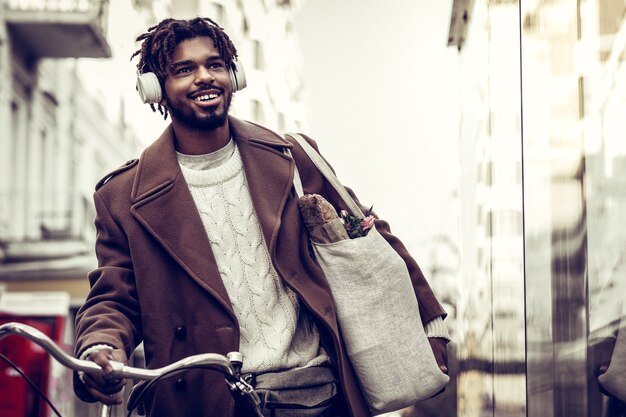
point(228, 365)
point(119, 369)
point(45, 342)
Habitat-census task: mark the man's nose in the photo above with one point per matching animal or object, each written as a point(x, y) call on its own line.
point(204, 75)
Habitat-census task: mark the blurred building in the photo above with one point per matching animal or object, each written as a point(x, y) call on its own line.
point(55, 142)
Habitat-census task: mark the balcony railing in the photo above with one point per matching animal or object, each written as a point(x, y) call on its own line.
point(59, 28)
point(52, 5)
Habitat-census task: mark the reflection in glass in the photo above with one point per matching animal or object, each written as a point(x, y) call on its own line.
point(534, 334)
point(573, 105)
point(491, 380)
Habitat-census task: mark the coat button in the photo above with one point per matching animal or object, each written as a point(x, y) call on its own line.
point(180, 332)
point(180, 384)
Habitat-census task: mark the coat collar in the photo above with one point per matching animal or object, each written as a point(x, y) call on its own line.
point(163, 204)
point(158, 166)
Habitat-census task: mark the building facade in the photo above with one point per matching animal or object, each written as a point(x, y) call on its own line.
point(55, 142)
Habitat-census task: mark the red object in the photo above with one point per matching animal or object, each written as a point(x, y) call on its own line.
point(18, 398)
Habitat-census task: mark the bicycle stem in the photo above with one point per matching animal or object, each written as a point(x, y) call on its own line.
point(105, 410)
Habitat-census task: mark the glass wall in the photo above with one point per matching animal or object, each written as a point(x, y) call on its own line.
point(573, 100)
point(543, 207)
point(491, 380)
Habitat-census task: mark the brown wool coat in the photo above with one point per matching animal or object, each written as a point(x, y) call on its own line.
point(158, 281)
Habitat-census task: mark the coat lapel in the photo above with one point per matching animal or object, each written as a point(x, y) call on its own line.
point(163, 204)
point(269, 173)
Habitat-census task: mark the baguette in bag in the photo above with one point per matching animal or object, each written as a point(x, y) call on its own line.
point(321, 219)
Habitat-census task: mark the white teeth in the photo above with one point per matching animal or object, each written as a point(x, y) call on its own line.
point(206, 97)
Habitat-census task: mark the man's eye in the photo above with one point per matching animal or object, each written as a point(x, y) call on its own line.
point(216, 65)
point(182, 70)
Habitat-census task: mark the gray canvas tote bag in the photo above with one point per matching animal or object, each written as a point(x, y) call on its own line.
point(377, 311)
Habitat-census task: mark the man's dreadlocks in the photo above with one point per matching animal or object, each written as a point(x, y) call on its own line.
point(159, 42)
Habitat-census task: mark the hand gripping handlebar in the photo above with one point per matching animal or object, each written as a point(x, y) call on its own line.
point(228, 365)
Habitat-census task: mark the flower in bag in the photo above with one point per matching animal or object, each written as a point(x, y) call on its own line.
point(367, 222)
point(357, 226)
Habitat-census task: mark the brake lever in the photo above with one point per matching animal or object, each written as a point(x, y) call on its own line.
point(135, 395)
point(241, 387)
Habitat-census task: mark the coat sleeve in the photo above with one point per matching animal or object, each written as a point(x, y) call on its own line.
point(429, 306)
point(110, 314)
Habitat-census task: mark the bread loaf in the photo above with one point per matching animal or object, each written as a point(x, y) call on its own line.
point(321, 219)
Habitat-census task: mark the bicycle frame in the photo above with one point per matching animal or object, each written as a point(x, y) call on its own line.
point(228, 365)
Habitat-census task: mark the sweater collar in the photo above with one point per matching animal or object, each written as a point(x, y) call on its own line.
point(207, 161)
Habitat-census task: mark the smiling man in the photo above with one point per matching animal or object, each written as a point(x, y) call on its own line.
point(198, 91)
point(201, 248)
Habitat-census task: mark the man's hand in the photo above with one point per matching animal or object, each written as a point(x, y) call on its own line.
point(103, 389)
point(438, 345)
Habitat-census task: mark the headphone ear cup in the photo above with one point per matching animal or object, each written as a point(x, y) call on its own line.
point(149, 88)
point(238, 76)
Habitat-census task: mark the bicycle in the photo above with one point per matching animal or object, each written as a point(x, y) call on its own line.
point(229, 365)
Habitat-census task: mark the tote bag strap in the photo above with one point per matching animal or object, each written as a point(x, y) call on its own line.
point(297, 182)
point(325, 170)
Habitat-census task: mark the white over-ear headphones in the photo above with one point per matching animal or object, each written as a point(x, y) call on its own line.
point(149, 88)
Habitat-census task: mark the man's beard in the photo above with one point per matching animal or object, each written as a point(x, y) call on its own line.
point(208, 122)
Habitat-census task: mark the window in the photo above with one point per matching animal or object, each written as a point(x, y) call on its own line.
point(257, 53)
point(257, 111)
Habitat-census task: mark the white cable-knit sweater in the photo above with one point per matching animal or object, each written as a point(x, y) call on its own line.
point(275, 332)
